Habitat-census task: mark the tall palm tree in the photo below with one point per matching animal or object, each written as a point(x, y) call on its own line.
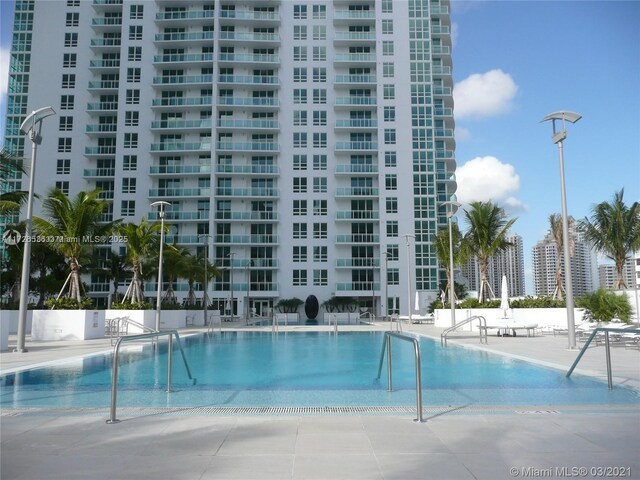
point(614, 230)
point(443, 252)
point(487, 236)
point(195, 272)
point(175, 265)
point(555, 224)
point(10, 168)
point(115, 269)
point(73, 225)
point(141, 241)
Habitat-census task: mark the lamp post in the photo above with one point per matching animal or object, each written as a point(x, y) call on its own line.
point(231, 255)
point(205, 297)
point(407, 236)
point(160, 205)
point(249, 265)
point(558, 138)
point(453, 207)
point(31, 126)
point(386, 286)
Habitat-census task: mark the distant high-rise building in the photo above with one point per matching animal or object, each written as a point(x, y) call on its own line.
point(302, 140)
point(545, 257)
point(607, 274)
point(509, 263)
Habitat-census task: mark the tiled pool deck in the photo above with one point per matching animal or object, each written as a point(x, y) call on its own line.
point(496, 443)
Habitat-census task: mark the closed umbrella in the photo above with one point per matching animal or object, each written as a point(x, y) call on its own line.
point(417, 305)
point(504, 296)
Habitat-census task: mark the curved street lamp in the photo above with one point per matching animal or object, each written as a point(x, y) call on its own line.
point(407, 236)
point(557, 138)
point(453, 207)
point(32, 126)
point(160, 204)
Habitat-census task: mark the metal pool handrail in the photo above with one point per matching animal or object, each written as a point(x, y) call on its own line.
point(482, 327)
point(607, 349)
point(130, 338)
point(416, 347)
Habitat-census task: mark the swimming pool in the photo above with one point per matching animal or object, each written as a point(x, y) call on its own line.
point(261, 369)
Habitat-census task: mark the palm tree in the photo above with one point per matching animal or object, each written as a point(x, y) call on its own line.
point(141, 241)
point(443, 252)
point(73, 225)
point(555, 223)
point(487, 236)
point(10, 168)
point(115, 269)
point(195, 272)
point(614, 230)
point(176, 260)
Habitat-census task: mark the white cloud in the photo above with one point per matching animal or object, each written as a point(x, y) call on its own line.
point(484, 95)
point(462, 133)
point(484, 179)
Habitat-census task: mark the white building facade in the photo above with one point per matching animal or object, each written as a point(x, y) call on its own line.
point(302, 140)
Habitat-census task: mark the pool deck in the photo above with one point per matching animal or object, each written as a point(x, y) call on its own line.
point(492, 443)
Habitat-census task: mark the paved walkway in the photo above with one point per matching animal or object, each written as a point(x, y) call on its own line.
point(493, 444)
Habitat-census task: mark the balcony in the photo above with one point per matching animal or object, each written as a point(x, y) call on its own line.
point(181, 102)
point(248, 147)
point(179, 192)
point(442, 91)
point(113, 23)
point(104, 150)
point(257, 38)
point(256, 102)
point(230, 216)
point(355, 80)
point(246, 239)
point(181, 147)
point(355, 58)
point(183, 80)
point(354, 15)
point(357, 124)
point(440, 50)
point(358, 37)
point(357, 192)
point(191, 37)
point(102, 129)
point(249, 16)
point(253, 80)
point(230, 124)
point(354, 101)
point(356, 146)
point(440, 29)
point(367, 287)
point(362, 215)
point(359, 169)
point(182, 239)
point(444, 133)
point(105, 44)
point(247, 192)
point(98, 172)
point(104, 64)
point(180, 215)
point(261, 170)
point(181, 125)
point(249, 58)
point(107, 86)
point(185, 15)
point(183, 59)
point(178, 169)
point(358, 263)
point(358, 238)
point(440, 70)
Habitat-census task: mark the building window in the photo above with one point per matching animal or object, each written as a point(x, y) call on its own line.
point(319, 54)
point(130, 162)
point(393, 276)
point(390, 159)
point(133, 75)
point(391, 205)
point(319, 117)
point(299, 162)
point(130, 140)
point(132, 97)
point(389, 136)
point(299, 230)
point(128, 208)
point(319, 32)
point(300, 185)
point(63, 186)
point(136, 12)
point(299, 278)
point(299, 139)
point(319, 184)
point(388, 70)
point(299, 207)
point(135, 32)
point(387, 6)
point(299, 32)
point(64, 145)
point(320, 278)
point(128, 185)
point(300, 74)
point(69, 80)
point(299, 117)
point(320, 74)
point(73, 3)
point(392, 228)
point(387, 27)
point(320, 140)
point(319, 162)
point(320, 208)
point(63, 166)
point(391, 181)
point(69, 60)
point(71, 39)
point(131, 119)
point(389, 114)
point(389, 92)
point(319, 96)
point(300, 95)
point(387, 48)
point(299, 12)
point(65, 124)
point(319, 12)
point(319, 254)
point(73, 19)
point(299, 54)
point(300, 254)
point(393, 252)
point(134, 54)
point(67, 102)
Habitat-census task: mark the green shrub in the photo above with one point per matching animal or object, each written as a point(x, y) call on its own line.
point(66, 303)
point(605, 305)
point(131, 306)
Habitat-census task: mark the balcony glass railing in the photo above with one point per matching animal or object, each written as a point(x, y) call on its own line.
point(106, 84)
point(178, 169)
point(248, 169)
point(182, 79)
point(177, 146)
point(357, 123)
point(358, 36)
point(356, 101)
point(110, 150)
point(181, 102)
point(440, 29)
point(356, 145)
point(358, 262)
point(246, 192)
point(249, 79)
point(190, 57)
point(104, 64)
point(359, 238)
point(355, 79)
point(355, 215)
point(103, 22)
point(102, 128)
point(99, 172)
point(354, 14)
point(246, 216)
point(184, 15)
point(249, 102)
point(181, 124)
point(106, 42)
point(251, 37)
point(179, 192)
point(247, 15)
point(247, 57)
point(180, 215)
point(356, 168)
point(358, 287)
point(357, 192)
point(355, 57)
point(180, 36)
point(250, 124)
point(248, 146)
point(102, 106)
point(245, 239)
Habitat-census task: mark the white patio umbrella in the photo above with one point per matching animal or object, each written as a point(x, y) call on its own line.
point(417, 303)
point(504, 296)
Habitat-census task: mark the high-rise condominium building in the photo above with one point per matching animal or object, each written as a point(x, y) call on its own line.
point(545, 258)
point(509, 263)
point(303, 141)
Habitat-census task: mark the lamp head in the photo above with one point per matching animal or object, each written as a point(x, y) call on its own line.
point(563, 115)
point(34, 117)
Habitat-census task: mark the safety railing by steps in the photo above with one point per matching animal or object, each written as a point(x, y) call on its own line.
point(607, 348)
point(482, 328)
point(132, 338)
point(119, 326)
point(416, 347)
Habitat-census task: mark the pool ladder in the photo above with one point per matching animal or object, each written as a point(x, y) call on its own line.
point(482, 327)
point(386, 345)
point(131, 338)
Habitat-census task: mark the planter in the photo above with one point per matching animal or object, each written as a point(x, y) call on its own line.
point(173, 319)
point(10, 319)
point(67, 324)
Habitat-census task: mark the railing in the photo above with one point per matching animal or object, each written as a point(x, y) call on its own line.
point(482, 328)
point(333, 319)
point(416, 347)
point(119, 325)
point(131, 338)
point(607, 349)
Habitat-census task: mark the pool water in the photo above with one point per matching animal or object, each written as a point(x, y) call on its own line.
point(261, 369)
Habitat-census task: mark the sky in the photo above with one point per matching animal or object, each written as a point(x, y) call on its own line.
point(515, 62)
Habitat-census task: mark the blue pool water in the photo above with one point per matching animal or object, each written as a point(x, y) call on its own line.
point(260, 369)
